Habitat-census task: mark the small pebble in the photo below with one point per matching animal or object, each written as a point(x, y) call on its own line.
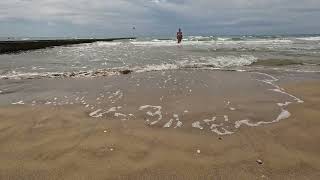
point(105, 131)
point(220, 138)
point(198, 151)
point(259, 161)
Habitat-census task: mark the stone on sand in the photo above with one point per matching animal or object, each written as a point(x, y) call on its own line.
point(259, 161)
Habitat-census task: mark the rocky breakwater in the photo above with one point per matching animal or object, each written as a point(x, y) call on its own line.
point(18, 46)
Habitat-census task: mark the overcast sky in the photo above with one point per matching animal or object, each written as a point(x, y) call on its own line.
point(157, 17)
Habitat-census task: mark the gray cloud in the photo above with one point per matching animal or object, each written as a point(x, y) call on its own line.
point(156, 17)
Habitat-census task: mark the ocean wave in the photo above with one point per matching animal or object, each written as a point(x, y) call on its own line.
point(108, 43)
point(156, 67)
point(220, 61)
point(212, 42)
point(223, 63)
point(214, 39)
point(202, 63)
point(278, 62)
point(39, 75)
point(193, 62)
point(315, 38)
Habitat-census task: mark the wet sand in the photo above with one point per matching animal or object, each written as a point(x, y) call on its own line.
point(64, 142)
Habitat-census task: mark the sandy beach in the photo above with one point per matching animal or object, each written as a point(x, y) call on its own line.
point(65, 142)
point(159, 90)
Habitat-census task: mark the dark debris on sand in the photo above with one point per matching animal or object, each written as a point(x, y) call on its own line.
point(127, 71)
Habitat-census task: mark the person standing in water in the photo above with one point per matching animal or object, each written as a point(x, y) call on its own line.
point(179, 36)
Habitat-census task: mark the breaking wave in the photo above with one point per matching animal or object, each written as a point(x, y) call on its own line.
point(315, 38)
point(199, 40)
point(220, 62)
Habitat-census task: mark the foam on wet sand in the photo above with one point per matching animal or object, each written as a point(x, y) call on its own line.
point(157, 115)
point(130, 131)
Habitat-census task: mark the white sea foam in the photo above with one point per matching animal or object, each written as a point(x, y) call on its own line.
point(317, 38)
point(168, 124)
point(226, 118)
point(210, 41)
point(179, 124)
point(223, 132)
point(278, 89)
point(119, 114)
point(284, 104)
point(157, 112)
point(283, 115)
point(18, 103)
point(213, 126)
point(208, 121)
point(112, 109)
point(100, 113)
point(218, 62)
point(294, 97)
point(268, 75)
point(107, 44)
point(246, 122)
point(224, 39)
point(197, 124)
point(96, 113)
point(201, 63)
point(157, 43)
point(159, 67)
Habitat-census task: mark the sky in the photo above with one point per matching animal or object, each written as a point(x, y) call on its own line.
point(115, 18)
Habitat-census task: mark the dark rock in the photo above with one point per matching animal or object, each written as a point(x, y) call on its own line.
point(56, 75)
point(127, 71)
point(72, 74)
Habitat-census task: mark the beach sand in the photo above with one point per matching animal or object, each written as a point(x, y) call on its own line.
point(64, 142)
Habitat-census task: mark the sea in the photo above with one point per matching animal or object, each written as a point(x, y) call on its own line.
point(300, 53)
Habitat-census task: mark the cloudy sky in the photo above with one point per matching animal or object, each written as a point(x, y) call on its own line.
point(157, 17)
